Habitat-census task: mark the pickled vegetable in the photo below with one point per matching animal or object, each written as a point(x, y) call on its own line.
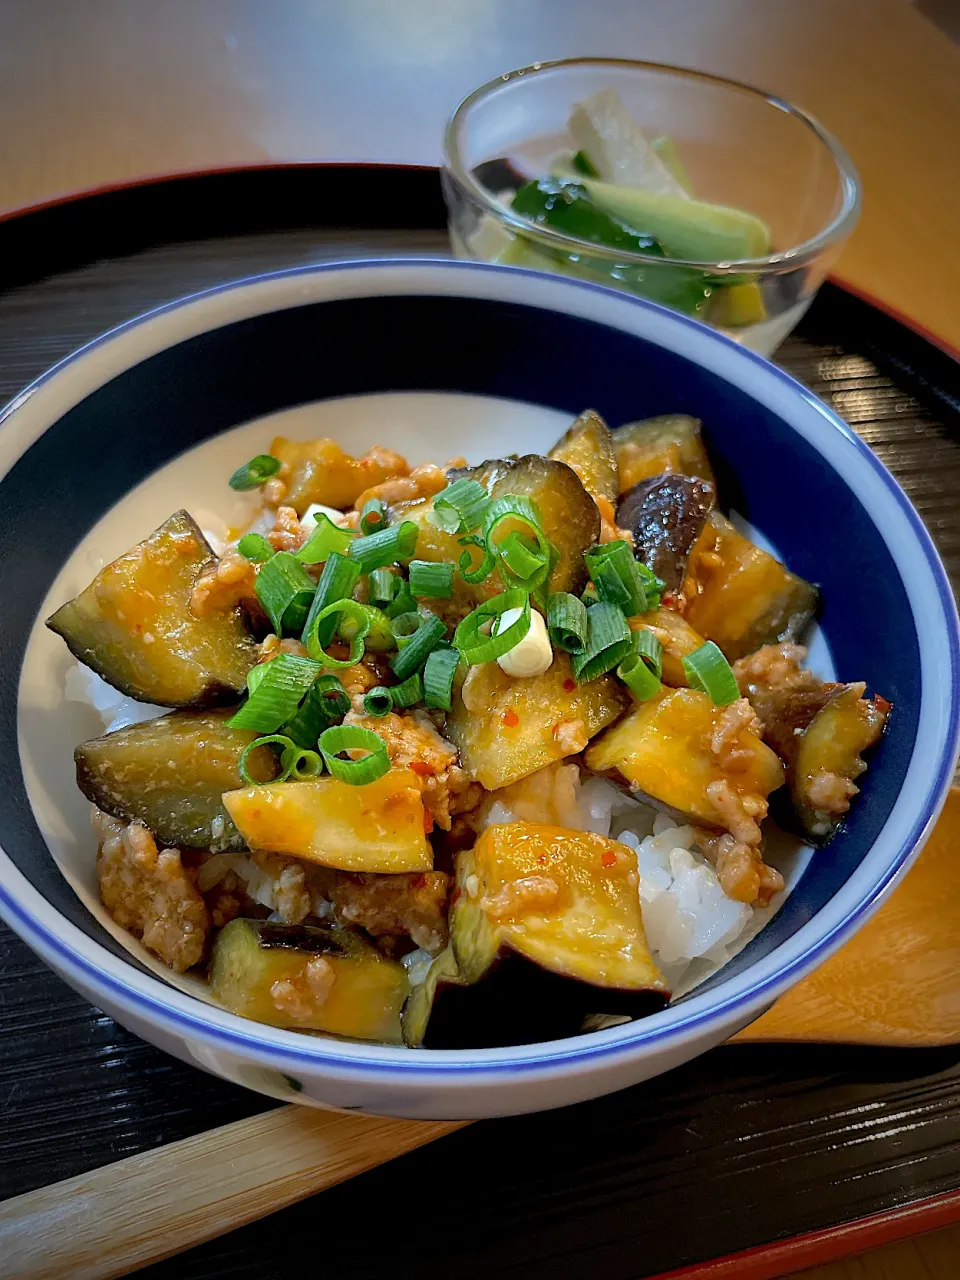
point(134, 626)
point(665, 748)
point(666, 515)
point(830, 757)
point(170, 774)
point(742, 597)
point(506, 728)
point(656, 445)
point(678, 638)
point(587, 447)
point(376, 827)
point(308, 979)
point(320, 471)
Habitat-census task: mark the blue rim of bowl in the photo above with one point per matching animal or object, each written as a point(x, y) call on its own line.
point(641, 1033)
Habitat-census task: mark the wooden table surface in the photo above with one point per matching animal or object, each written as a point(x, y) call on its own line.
point(107, 91)
point(101, 91)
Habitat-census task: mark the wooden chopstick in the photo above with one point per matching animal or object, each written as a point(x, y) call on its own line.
point(125, 1215)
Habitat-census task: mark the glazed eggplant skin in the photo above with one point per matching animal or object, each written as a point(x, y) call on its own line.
point(587, 447)
point(678, 638)
point(170, 774)
point(134, 626)
point(376, 827)
point(829, 758)
point(506, 729)
point(663, 750)
point(320, 471)
point(308, 979)
point(666, 515)
point(671, 443)
point(740, 596)
point(545, 930)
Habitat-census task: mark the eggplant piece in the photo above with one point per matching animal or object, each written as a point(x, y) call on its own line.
point(506, 728)
point(671, 443)
point(308, 979)
point(377, 827)
point(678, 638)
point(320, 471)
point(522, 965)
point(134, 626)
point(170, 774)
point(663, 749)
point(486, 473)
point(829, 758)
point(587, 447)
point(742, 597)
point(666, 515)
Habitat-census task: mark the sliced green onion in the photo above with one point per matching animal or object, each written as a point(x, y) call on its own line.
point(384, 586)
point(514, 507)
point(648, 647)
point(708, 670)
point(403, 602)
point(255, 675)
point(461, 506)
point(482, 567)
point(253, 473)
point(386, 546)
point(608, 642)
point(617, 576)
point(409, 693)
point(521, 556)
point(254, 546)
point(567, 622)
point(653, 586)
point(273, 739)
point(638, 677)
point(379, 637)
point(355, 621)
point(325, 704)
point(373, 516)
point(351, 737)
point(299, 763)
point(589, 595)
point(405, 626)
point(432, 578)
point(583, 164)
point(337, 581)
point(475, 646)
point(438, 678)
point(418, 648)
point(378, 702)
point(277, 695)
point(326, 537)
point(285, 590)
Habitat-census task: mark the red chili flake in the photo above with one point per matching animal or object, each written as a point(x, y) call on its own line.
point(882, 704)
point(418, 881)
point(541, 858)
point(138, 626)
point(569, 685)
point(511, 719)
point(427, 821)
point(609, 858)
point(421, 769)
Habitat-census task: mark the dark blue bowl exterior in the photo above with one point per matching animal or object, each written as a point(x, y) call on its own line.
point(116, 437)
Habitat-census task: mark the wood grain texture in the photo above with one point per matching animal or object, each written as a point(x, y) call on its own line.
point(110, 90)
point(121, 1217)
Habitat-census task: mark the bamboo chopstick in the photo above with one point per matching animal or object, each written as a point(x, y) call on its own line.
point(116, 1219)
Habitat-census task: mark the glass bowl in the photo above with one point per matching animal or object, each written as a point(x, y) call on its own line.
point(737, 146)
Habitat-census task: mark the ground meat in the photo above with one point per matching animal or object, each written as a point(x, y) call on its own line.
point(150, 893)
point(742, 873)
point(831, 792)
point(286, 534)
point(231, 581)
point(737, 718)
point(413, 742)
point(422, 482)
point(410, 905)
point(292, 898)
point(774, 666)
point(300, 997)
point(737, 813)
point(785, 696)
point(571, 736)
point(610, 531)
point(529, 895)
point(272, 646)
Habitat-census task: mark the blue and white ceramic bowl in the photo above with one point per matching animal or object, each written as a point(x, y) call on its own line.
point(437, 358)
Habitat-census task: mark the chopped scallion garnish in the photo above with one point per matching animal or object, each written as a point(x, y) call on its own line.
point(277, 695)
point(461, 506)
point(373, 516)
point(567, 622)
point(470, 638)
point(254, 546)
point(326, 703)
point(337, 582)
point(384, 585)
point(386, 546)
point(350, 617)
point(617, 576)
point(270, 740)
point(300, 762)
point(379, 636)
point(649, 648)
point(438, 678)
point(351, 737)
point(608, 642)
point(326, 537)
point(474, 569)
point(255, 472)
point(285, 590)
point(378, 702)
point(637, 676)
point(432, 578)
point(513, 510)
point(419, 647)
point(409, 692)
point(708, 670)
point(405, 626)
